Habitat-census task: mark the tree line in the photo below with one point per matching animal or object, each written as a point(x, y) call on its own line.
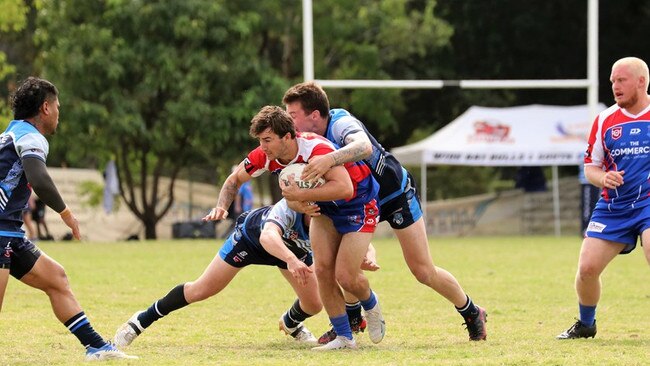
point(163, 87)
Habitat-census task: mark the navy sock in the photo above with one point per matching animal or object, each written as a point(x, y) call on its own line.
point(370, 302)
point(469, 310)
point(353, 310)
point(81, 328)
point(174, 300)
point(295, 315)
point(341, 326)
point(587, 314)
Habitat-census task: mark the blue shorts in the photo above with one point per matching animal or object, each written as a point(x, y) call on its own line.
point(621, 226)
point(18, 255)
point(403, 210)
point(357, 218)
point(239, 252)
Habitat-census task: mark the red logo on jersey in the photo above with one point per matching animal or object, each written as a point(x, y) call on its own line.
point(617, 132)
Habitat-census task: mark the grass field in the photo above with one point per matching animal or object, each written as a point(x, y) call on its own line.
point(525, 283)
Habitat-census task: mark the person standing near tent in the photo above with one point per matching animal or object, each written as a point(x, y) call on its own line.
point(309, 107)
point(616, 161)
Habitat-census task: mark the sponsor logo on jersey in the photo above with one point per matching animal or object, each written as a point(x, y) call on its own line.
point(636, 150)
point(596, 227)
point(635, 131)
point(617, 132)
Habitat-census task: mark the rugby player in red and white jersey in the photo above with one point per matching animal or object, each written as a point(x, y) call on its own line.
point(618, 161)
point(348, 208)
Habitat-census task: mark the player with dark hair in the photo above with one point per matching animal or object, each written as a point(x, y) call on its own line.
point(349, 217)
point(272, 235)
point(23, 151)
point(616, 161)
point(308, 105)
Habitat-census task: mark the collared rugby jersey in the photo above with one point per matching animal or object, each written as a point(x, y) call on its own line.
point(621, 141)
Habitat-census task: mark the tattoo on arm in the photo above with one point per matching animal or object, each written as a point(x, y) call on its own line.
point(227, 195)
point(353, 152)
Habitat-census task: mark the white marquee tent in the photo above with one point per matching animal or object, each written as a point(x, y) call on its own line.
point(533, 135)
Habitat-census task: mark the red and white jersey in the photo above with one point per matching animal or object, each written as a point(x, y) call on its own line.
point(621, 141)
point(309, 144)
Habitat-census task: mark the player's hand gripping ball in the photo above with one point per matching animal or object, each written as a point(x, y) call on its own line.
point(293, 172)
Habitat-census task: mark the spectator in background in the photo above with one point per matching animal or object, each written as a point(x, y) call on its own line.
point(531, 179)
point(27, 219)
point(243, 202)
point(38, 217)
point(589, 195)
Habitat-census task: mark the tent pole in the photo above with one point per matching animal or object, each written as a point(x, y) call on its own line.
point(556, 201)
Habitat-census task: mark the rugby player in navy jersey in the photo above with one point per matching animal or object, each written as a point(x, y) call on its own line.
point(23, 151)
point(349, 216)
point(308, 105)
point(272, 235)
point(618, 161)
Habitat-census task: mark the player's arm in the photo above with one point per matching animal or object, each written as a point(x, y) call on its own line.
point(43, 186)
point(338, 185)
point(228, 192)
point(357, 147)
point(600, 178)
point(271, 240)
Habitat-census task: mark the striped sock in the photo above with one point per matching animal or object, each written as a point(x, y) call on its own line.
point(469, 310)
point(81, 328)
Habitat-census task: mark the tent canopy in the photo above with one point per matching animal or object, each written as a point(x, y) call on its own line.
point(515, 136)
point(533, 135)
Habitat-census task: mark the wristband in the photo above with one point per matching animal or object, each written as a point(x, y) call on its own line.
point(65, 213)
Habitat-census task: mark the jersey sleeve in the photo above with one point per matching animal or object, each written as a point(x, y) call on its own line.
point(595, 153)
point(343, 127)
point(32, 145)
point(256, 163)
point(282, 215)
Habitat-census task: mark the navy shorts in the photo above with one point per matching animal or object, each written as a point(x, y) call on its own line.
point(621, 226)
point(18, 254)
point(239, 252)
point(403, 210)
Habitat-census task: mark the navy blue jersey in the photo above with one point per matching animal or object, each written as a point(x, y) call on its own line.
point(294, 232)
point(21, 139)
point(384, 166)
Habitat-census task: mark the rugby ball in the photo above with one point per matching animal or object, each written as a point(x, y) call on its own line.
point(293, 172)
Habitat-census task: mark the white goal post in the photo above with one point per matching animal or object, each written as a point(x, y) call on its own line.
point(590, 83)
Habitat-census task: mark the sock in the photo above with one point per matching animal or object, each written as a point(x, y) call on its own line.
point(370, 302)
point(81, 328)
point(174, 300)
point(341, 326)
point(295, 315)
point(353, 310)
point(469, 310)
point(587, 314)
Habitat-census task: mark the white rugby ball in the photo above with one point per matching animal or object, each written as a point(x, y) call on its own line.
point(293, 172)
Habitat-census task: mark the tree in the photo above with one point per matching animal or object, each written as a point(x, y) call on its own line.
point(158, 85)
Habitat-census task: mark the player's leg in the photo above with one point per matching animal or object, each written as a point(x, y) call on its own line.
point(307, 305)
point(595, 255)
point(4, 279)
point(415, 248)
point(325, 243)
point(215, 278)
point(47, 275)
point(645, 240)
point(351, 253)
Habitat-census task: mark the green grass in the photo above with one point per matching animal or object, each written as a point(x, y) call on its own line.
point(525, 283)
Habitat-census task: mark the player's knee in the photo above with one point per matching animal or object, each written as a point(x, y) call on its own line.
point(57, 281)
point(324, 273)
point(587, 271)
point(311, 306)
point(348, 280)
